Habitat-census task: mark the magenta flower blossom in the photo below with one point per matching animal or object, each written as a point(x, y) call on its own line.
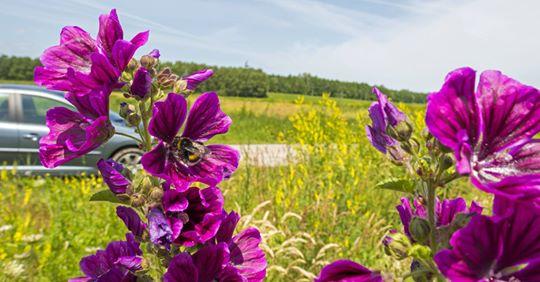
point(74, 134)
point(503, 247)
point(132, 220)
point(185, 159)
point(154, 53)
point(208, 264)
point(491, 130)
point(112, 174)
point(347, 271)
point(382, 114)
point(445, 211)
point(81, 63)
point(142, 83)
point(193, 80)
point(246, 258)
point(194, 214)
point(118, 262)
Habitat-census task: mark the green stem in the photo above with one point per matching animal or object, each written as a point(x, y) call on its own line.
point(129, 136)
point(147, 144)
point(431, 216)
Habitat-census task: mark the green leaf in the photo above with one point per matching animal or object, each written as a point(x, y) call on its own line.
point(104, 196)
point(399, 184)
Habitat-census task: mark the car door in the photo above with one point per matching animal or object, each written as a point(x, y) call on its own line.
point(9, 140)
point(32, 126)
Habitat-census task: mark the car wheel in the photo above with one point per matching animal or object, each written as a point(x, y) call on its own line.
point(129, 157)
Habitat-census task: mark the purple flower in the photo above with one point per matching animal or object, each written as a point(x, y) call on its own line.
point(503, 247)
point(247, 259)
point(117, 262)
point(184, 159)
point(80, 63)
point(347, 271)
point(193, 80)
point(74, 134)
point(194, 214)
point(445, 211)
point(491, 130)
point(154, 53)
point(159, 228)
point(132, 220)
point(382, 114)
point(112, 174)
point(142, 83)
point(206, 265)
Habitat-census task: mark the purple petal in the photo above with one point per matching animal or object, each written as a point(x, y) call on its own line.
point(142, 83)
point(93, 104)
point(174, 201)
point(110, 31)
point(517, 188)
point(159, 228)
point(210, 261)
point(131, 219)
point(391, 114)
point(220, 163)
point(452, 117)
point(347, 271)
point(181, 269)
point(167, 117)
point(156, 160)
point(154, 53)
point(231, 274)
point(198, 77)
point(227, 227)
point(111, 172)
point(449, 209)
point(71, 136)
point(405, 214)
point(140, 39)
point(510, 111)
point(94, 265)
point(206, 118)
point(247, 256)
point(122, 52)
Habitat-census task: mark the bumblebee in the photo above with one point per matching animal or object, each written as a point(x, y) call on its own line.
point(188, 151)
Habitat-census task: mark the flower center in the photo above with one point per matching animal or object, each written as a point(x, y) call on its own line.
point(187, 151)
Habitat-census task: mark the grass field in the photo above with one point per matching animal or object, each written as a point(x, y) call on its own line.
point(322, 208)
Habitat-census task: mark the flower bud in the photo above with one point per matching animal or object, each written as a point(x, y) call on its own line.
point(397, 155)
point(420, 273)
point(123, 198)
point(133, 119)
point(403, 131)
point(126, 109)
point(148, 61)
point(141, 84)
point(419, 229)
point(446, 162)
point(132, 65)
point(156, 193)
point(137, 200)
point(180, 86)
point(396, 245)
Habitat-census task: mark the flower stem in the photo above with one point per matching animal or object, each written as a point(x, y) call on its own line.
point(129, 136)
point(147, 144)
point(431, 216)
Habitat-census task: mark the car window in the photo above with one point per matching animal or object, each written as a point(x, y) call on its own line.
point(4, 107)
point(34, 108)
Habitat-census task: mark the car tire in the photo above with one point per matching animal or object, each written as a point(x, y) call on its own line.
point(130, 157)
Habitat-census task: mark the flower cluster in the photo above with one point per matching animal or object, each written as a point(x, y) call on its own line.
point(487, 135)
point(172, 207)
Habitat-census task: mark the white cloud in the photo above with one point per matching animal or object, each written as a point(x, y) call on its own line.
point(417, 53)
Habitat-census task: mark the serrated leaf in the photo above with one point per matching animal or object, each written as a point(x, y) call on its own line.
point(400, 185)
point(104, 196)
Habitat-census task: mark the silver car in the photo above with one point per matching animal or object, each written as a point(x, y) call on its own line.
point(22, 123)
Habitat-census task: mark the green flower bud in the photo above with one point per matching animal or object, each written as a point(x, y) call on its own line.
point(133, 119)
point(156, 193)
point(148, 62)
point(396, 245)
point(137, 200)
point(446, 162)
point(420, 273)
point(403, 131)
point(126, 109)
point(132, 65)
point(419, 229)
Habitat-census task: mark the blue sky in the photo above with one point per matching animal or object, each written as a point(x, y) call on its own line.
point(401, 44)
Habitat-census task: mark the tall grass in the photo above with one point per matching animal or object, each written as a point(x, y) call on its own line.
point(320, 208)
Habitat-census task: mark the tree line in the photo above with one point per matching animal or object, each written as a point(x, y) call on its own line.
point(242, 81)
